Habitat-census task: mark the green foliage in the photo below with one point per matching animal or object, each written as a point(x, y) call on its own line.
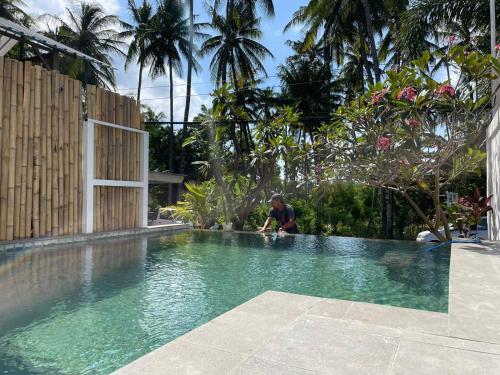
point(199, 205)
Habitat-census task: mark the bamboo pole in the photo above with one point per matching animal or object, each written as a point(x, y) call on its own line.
point(48, 133)
point(114, 195)
point(19, 152)
point(132, 166)
point(110, 153)
point(99, 161)
point(105, 149)
point(66, 129)
point(60, 153)
point(2, 128)
point(55, 153)
point(43, 158)
point(134, 152)
point(105, 161)
point(24, 157)
point(5, 148)
point(74, 155)
point(30, 161)
point(70, 155)
point(80, 158)
point(37, 152)
point(119, 160)
point(12, 153)
point(126, 165)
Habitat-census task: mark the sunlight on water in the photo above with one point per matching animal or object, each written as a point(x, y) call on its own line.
point(92, 308)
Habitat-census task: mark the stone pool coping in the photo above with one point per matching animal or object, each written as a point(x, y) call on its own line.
point(283, 333)
point(49, 241)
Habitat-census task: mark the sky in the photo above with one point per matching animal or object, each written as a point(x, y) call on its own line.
point(155, 93)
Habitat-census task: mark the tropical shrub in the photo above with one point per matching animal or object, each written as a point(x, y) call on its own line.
point(467, 212)
point(199, 205)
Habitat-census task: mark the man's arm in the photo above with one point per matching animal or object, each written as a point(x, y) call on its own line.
point(289, 224)
point(291, 219)
point(266, 224)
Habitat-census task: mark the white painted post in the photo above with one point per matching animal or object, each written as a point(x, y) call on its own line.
point(493, 144)
point(88, 183)
point(145, 179)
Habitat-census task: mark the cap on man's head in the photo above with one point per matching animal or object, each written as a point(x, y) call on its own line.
point(276, 197)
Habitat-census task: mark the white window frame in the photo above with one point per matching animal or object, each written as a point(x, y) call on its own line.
point(89, 180)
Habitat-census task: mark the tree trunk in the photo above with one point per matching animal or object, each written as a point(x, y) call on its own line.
point(425, 219)
point(171, 135)
point(362, 52)
point(389, 231)
point(371, 39)
point(141, 67)
point(237, 142)
point(182, 166)
point(229, 26)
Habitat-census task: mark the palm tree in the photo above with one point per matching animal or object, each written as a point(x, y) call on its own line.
point(11, 10)
point(343, 24)
point(426, 23)
point(188, 83)
point(91, 32)
point(307, 80)
point(141, 16)
point(237, 53)
point(169, 42)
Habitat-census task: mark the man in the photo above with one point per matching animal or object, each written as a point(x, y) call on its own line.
point(283, 214)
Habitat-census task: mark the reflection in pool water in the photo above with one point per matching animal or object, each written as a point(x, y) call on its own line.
point(92, 308)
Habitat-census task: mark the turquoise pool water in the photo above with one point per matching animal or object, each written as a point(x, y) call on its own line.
point(92, 308)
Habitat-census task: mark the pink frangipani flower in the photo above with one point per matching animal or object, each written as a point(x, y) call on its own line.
point(414, 122)
point(383, 143)
point(445, 90)
point(405, 162)
point(409, 93)
point(497, 47)
point(378, 96)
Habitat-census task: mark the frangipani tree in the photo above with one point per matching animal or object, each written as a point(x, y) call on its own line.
point(242, 191)
point(413, 133)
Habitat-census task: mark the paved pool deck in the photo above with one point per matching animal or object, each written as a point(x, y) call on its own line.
point(282, 333)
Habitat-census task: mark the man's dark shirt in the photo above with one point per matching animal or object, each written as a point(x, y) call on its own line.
point(283, 217)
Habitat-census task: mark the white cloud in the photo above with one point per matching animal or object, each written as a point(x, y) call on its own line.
point(58, 7)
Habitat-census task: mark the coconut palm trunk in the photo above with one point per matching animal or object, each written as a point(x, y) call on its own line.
point(139, 84)
point(171, 133)
point(371, 39)
point(182, 165)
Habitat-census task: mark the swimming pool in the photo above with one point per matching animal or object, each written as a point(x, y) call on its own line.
point(92, 308)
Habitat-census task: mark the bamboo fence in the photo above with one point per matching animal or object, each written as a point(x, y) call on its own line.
point(41, 154)
point(117, 157)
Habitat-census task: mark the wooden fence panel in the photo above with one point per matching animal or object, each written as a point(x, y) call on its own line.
point(41, 154)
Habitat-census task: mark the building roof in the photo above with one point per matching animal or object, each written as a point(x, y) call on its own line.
point(18, 32)
point(165, 178)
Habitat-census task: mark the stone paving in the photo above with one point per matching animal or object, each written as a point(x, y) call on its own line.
point(282, 333)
